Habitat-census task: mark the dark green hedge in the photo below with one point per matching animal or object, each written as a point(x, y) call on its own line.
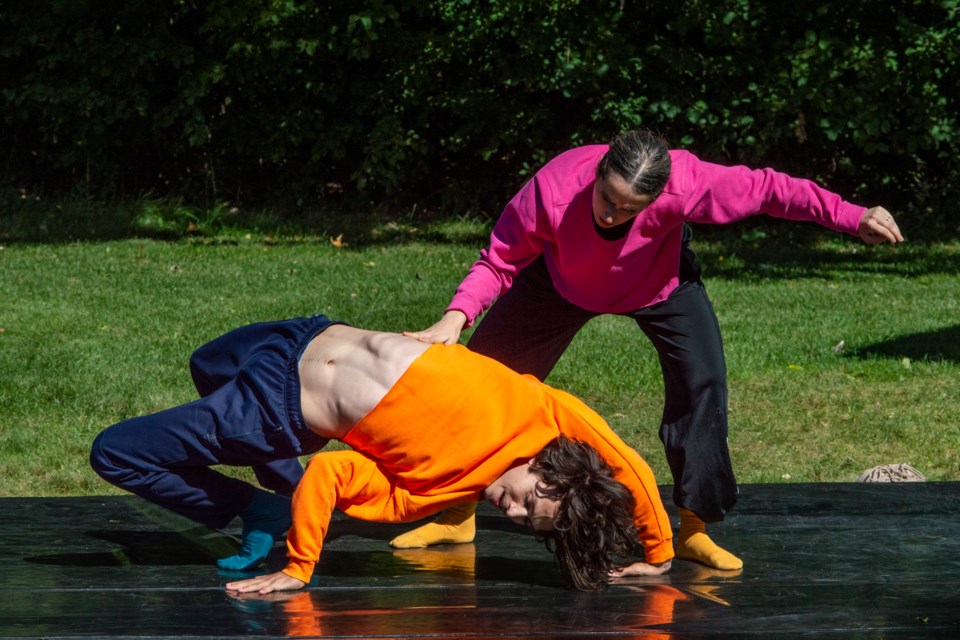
point(450, 103)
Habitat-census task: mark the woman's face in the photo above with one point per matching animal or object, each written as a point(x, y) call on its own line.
point(614, 201)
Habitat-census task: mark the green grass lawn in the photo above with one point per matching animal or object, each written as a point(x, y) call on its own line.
point(840, 356)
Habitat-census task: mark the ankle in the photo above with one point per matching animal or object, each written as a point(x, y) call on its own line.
point(267, 512)
point(690, 524)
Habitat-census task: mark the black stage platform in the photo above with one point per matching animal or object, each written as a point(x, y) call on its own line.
point(821, 561)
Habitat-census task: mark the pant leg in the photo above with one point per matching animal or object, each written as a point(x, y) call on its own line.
point(166, 457)
point(253, 419)
point(530, 326)
point(686, 334)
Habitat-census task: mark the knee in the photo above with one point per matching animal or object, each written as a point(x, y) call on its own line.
point(709, 380)
point(106, 458)
point(702, 391)
point(198, 368)
point(701, 382)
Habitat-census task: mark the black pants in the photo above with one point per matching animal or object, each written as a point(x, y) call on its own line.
point(530, 327)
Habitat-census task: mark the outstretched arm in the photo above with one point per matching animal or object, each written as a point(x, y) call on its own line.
point(353, 483)
point(718, 194)
point(344, 479)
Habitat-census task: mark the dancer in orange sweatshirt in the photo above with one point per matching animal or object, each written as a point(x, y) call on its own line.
point(431, 426)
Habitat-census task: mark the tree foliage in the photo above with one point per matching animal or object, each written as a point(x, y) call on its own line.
point(452, 102)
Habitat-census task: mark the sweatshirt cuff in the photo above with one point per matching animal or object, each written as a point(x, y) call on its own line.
point(471, 311)
point(848, 218)
point(659, 553)
point(301, 570)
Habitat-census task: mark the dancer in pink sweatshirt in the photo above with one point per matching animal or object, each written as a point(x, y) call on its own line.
point(602, 229)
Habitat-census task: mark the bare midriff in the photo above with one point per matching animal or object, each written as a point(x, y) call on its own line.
point(345, 372)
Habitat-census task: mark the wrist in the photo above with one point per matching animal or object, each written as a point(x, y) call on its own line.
point(455, 318)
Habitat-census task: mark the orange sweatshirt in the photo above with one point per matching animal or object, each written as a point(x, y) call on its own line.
point(449, 427)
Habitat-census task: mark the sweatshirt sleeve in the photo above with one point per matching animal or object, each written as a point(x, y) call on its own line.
point(343, 479)
point(650, 518)
point(719, 194)
point(516, 241)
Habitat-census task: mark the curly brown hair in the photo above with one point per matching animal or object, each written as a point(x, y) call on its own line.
point(593, 530)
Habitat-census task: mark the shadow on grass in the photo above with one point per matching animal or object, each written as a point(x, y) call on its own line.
point(938, 345)
point(757, 249)
point(80, 217)
point(784, 251)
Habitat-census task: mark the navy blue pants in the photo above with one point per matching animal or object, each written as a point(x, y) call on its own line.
point(531, 325)
point(248, 414)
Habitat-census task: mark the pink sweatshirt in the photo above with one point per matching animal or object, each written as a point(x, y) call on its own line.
point(552, 214)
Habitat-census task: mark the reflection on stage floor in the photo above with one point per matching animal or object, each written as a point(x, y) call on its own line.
point(821, 560)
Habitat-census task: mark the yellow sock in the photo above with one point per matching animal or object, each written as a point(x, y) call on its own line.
point(693, 543)
point(453, 526)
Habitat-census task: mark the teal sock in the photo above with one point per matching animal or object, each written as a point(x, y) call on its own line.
point(265, 519)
